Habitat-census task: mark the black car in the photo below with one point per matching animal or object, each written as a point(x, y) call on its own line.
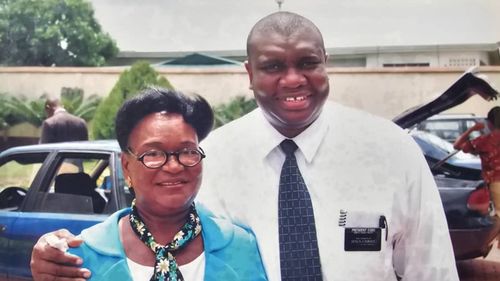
point(469, 210)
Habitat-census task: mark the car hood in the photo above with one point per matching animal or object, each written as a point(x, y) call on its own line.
point(469, 84)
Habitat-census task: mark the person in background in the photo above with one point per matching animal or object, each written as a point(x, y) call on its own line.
point(61, 126)
point(487, 146)
point(330, 192)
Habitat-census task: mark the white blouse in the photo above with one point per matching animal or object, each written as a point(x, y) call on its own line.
point(193, 271)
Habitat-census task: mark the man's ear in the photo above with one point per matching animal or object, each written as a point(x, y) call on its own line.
point(326, 57)
point(248, 67)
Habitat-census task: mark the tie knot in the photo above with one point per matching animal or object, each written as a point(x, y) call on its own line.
point(288, 146)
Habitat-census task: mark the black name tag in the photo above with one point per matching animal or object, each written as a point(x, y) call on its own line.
point(362, 239)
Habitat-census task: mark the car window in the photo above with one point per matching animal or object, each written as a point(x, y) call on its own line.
point(469, 123)
point(77, 185)
point(474, 134)
point(438, 148)
point(445, 129)
point(442, 125)
point(17, 173)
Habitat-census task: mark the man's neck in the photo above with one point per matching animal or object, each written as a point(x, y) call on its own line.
point(291, 132)
point(59, 109)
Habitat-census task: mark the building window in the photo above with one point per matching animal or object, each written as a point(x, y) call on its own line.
point(411, 64)
point(462, 62)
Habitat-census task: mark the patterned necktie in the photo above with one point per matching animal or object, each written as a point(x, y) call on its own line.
point(299, 254)
point(166, 268)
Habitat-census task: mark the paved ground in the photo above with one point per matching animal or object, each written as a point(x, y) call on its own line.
point(487, 269)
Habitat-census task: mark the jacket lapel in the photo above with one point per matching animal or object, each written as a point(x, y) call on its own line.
point(217, 234)
point(217, 269)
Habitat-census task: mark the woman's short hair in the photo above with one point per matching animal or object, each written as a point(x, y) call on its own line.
point(194, 109)
point(494, 116)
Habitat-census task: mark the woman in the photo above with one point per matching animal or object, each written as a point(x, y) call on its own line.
point(164, 236)
point(487, 146)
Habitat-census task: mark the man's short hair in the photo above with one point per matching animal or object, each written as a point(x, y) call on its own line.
point(284, 23)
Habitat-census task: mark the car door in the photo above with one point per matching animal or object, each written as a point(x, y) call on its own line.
point(19, 173)
point(469, 84)
point(69, 195)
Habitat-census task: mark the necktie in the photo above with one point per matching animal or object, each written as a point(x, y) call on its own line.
point(299, 254)
point(166, 268)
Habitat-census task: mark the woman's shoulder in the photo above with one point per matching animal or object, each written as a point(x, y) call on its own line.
point(103, 238)
point(222, 229)
point(103, 228)
point(102, 251)
point(221, 233)
point(233, 246)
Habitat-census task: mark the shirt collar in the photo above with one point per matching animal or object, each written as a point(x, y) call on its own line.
point(308, 141)
point(59, 110)
point(264, 137)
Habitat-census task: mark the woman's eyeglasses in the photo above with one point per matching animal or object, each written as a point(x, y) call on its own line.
point(155, 159)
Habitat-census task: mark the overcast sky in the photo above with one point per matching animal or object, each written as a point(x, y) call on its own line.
point(197, 25)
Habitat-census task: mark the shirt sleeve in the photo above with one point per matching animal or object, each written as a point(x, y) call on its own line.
point(473, 145)
point(422, 249)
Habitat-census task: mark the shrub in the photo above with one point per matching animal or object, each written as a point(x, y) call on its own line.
point(236, 108)
point(131, 82)
point(74, 101)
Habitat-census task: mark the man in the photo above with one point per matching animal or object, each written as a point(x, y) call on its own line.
point(376, 212)
point(60, 125)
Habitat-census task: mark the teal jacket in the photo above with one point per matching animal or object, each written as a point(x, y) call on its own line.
point(231, 251)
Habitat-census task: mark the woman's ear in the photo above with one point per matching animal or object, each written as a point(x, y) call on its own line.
point(125, 163)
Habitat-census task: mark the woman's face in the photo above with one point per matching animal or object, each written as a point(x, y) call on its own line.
point(172, 187)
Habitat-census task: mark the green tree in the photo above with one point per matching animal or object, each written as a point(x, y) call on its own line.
point(15, 110)
point(22, 109)
point(7, 119)
point(234, 109)
point(140, 76)
point(52, 32)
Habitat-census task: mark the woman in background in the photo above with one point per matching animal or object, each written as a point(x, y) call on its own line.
point(487, 146)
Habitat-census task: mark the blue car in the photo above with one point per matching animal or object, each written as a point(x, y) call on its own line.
point(51, 186)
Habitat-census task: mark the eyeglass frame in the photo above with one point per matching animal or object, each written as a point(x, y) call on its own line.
point(167, 154)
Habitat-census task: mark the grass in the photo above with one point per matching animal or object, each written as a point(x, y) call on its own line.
point(15, 174)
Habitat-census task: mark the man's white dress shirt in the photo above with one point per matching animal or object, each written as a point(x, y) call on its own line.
point(350, 160)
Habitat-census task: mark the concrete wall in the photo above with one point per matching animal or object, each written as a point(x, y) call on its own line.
point(388, 92)
point(382, 91)
point(21, 134)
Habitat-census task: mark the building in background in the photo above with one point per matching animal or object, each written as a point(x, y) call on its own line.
point(460, 55)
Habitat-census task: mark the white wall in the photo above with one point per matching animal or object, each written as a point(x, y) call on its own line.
point(382, 91)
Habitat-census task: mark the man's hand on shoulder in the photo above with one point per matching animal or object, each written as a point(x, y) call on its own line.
point(50, 262)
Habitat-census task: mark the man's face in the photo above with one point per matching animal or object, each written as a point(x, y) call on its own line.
point(289, 79)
